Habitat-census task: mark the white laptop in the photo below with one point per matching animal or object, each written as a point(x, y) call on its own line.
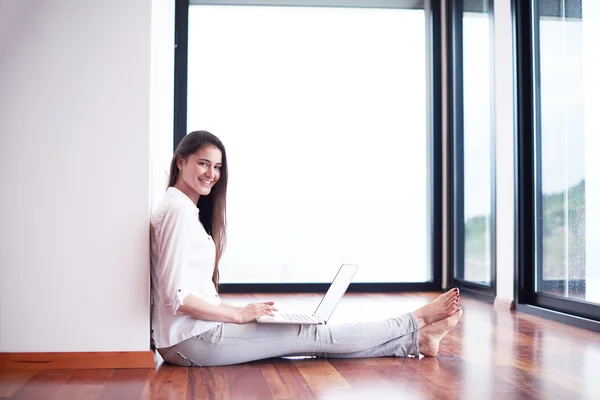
point(326, 307)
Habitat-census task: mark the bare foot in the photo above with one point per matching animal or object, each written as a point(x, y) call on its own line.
point(431, 335)
point(442, 307)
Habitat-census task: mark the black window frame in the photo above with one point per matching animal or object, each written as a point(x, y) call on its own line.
point(455, 148)
point(527, 139)
point(433, 10)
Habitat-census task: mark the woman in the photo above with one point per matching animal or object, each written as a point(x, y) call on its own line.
point(192, 326)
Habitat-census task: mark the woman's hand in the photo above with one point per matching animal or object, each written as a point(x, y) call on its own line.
point(253, 311)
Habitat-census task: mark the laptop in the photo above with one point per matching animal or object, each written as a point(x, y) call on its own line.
point(326, 307)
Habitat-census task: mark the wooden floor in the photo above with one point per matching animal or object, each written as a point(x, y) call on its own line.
point(491, 354)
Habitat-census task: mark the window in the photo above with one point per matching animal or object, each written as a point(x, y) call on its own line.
point(329, 136)
point(563, 172)
point(472, 145)
point(569, 265)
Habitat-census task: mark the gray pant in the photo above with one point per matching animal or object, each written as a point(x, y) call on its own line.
point(233, 344)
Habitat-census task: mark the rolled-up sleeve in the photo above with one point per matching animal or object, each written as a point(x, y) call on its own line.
point(172, 242)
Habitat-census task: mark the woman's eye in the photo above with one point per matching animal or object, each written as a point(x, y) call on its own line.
point(218, 168)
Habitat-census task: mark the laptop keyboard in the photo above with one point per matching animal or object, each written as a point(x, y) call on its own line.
point(299, 317)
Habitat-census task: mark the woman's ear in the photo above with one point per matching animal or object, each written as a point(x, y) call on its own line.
point(179, 163)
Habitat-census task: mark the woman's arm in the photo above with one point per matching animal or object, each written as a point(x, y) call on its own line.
point(200, 309)
point(230, 306)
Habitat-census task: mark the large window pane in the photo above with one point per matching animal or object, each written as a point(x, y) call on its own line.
point(326, 130)
point(569, 199)
point(477, 139)
point(472, 139)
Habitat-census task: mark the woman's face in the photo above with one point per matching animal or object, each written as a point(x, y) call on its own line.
point(200, 171)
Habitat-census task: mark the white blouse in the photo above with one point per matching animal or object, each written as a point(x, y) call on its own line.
point(183, 261)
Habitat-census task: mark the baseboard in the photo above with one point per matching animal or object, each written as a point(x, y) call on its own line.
point(558, 316)
point(77, 360)
point(504, 304)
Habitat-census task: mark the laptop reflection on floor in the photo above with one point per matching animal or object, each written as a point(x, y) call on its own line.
point(326, 307)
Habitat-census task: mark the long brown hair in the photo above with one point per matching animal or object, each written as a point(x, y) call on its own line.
point(212, 207)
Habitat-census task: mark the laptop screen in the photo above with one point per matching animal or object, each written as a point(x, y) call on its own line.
point(336, 291)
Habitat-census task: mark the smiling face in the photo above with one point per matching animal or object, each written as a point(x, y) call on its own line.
point(199, 172)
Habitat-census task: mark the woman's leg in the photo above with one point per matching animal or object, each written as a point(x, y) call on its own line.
point(233, 344)
point(404, 346)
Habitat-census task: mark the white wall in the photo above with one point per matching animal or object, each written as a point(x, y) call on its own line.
point(505, 150)
point(161, 97)
point(75, 174)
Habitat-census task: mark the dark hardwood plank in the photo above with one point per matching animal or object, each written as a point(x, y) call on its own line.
point(125, 384)
point(207, 383)
point(42, 385)
point(83, 384)
point(12, 380)
point(527, 385)
point(404, 374)
point(166, 382)
point(246, 382)
point(366, 382)
point(285, 381)
point(322, 378)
